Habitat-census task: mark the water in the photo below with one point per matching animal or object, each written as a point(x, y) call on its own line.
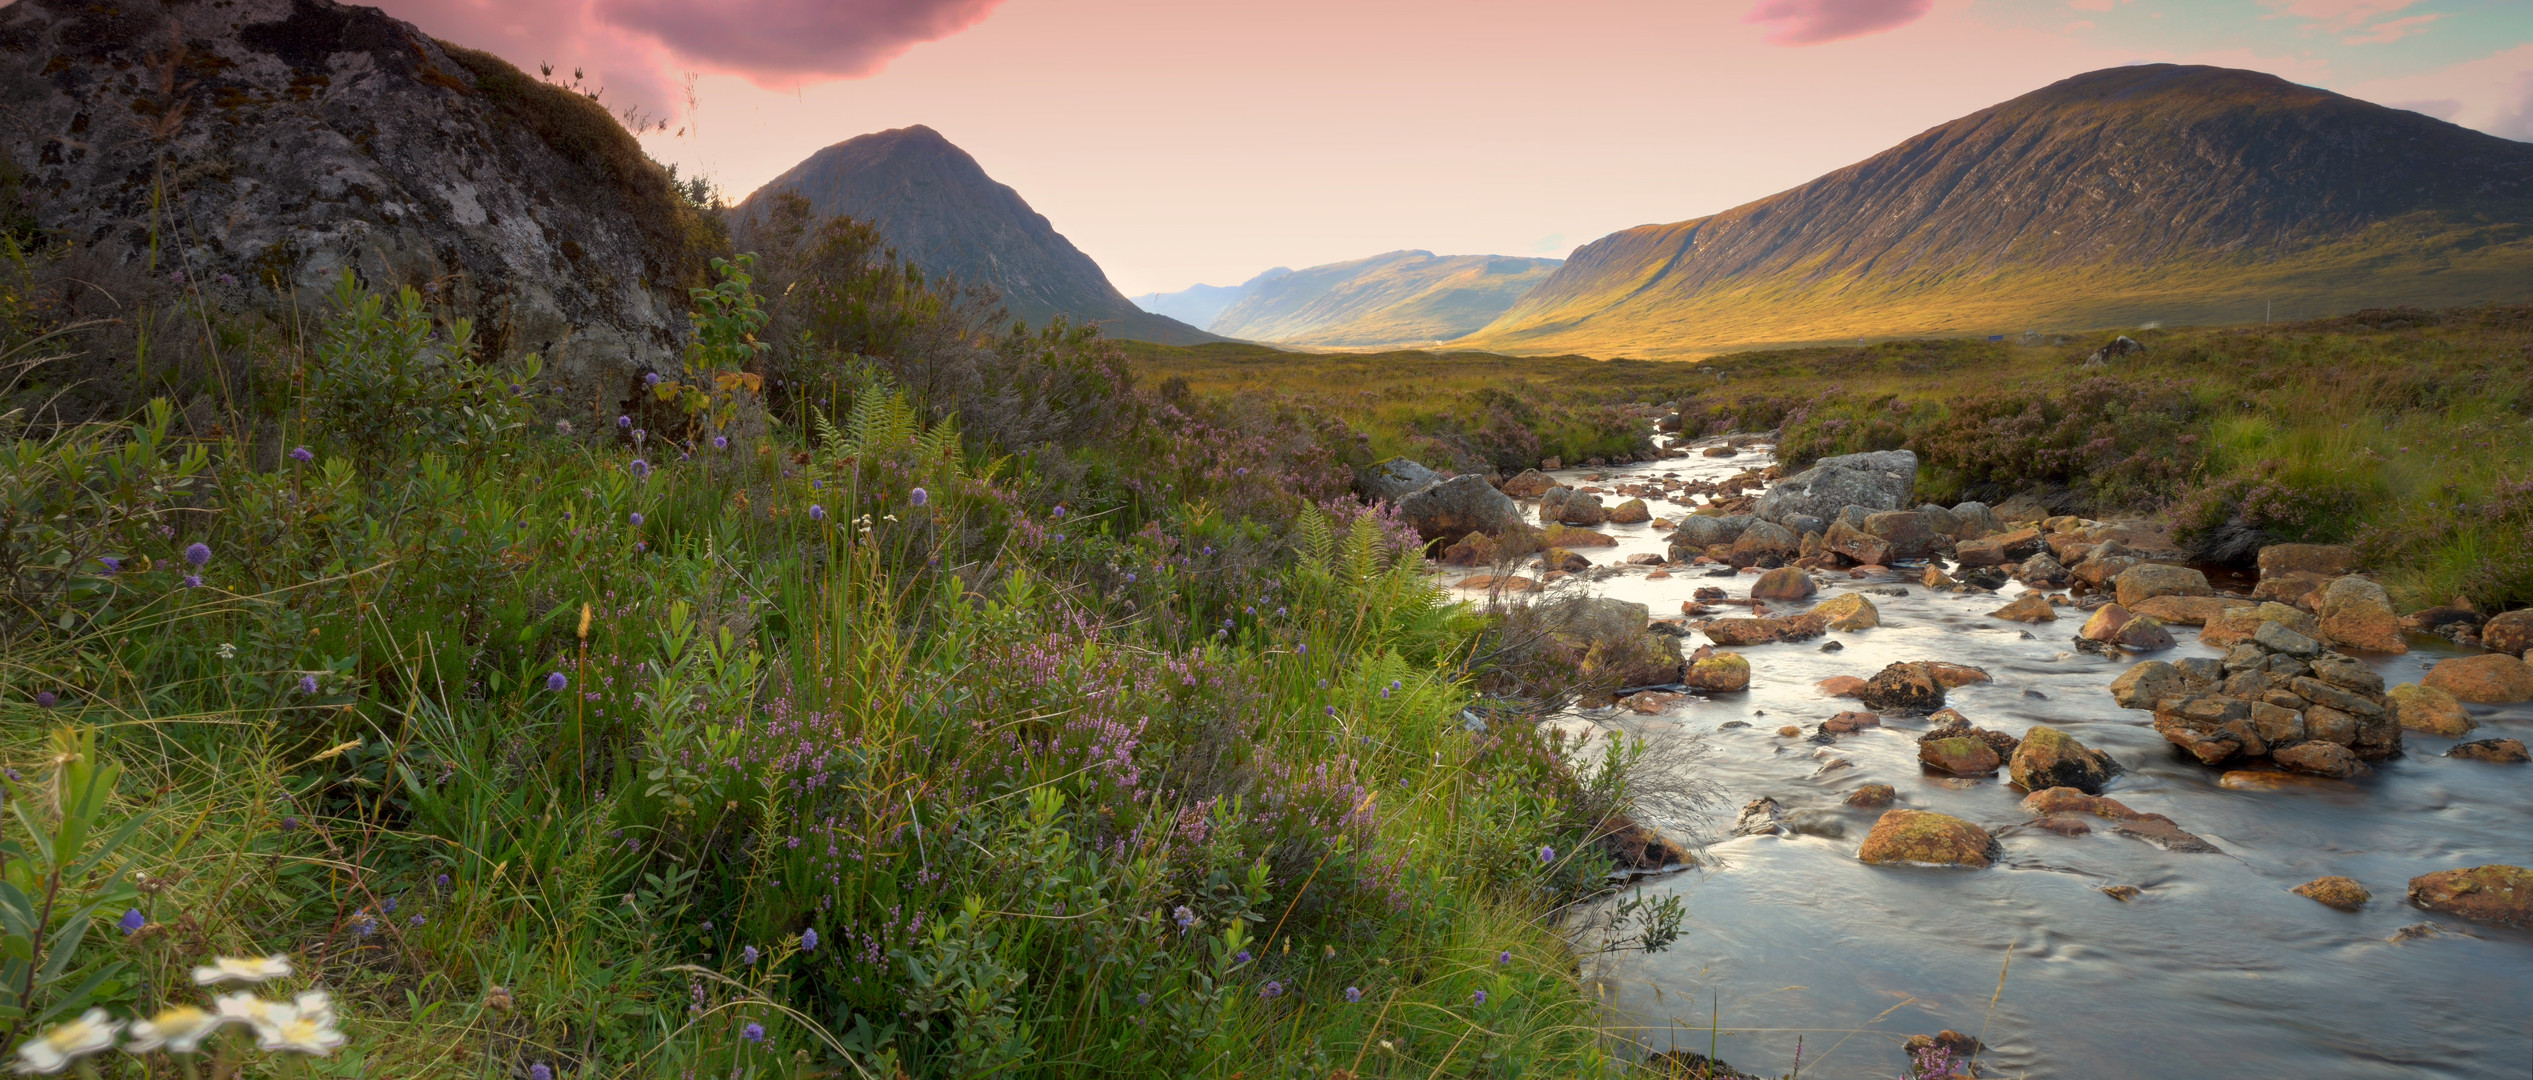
point(2214, 969)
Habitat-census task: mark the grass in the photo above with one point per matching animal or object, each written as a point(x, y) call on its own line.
point(697, 740)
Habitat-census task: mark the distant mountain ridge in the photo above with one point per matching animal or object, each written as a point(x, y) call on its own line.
point(1396, 298)
point(939, 209)
point(2164, 192)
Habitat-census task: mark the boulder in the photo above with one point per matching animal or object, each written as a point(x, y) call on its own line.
point(1980, 552)
point(1568, 536)
point(1784, 583)
point(1856, 544)
point(2319, 759)
point(2277, 638)
point(1631, 512)
point(1850, 721)
point(1395, 479)
point(1944, 523)
point(2430, 710)
point(2187, 610)
point(2145, 581)
point(1459, 506)
point(2031, 607)
point(1557, 558)
point(2140, 687)
point(1530, 484)
point(2120, 346)
point(2050, 758)
point(1720, 673)
point(2042, 572)
point(2294, 588)
point(2143, 635)
point(2486, 679)
point(2511, 632)
point(1505, 582)
point(1761, 817)
point(2105, 623)
point(1955, 676)
point(1976, 521)
point(1959, 755)
point(1918, 837)
point(2502, 894)
point(2329, 560)
point(1698, 532)
point(2279, 725)
point(1765, 540)
point(1475, 549)
point(2071, 801)
point(2357, 614)
point(2237, 626)
point(2339, 892)
point(1906, 531)
point(1572, 507)
point(1905, 687)
point(1875, 481)
point(2213, 729)
point(2495, 751)
point(1766, 629)
point(1849, 612)
point(1872, 796)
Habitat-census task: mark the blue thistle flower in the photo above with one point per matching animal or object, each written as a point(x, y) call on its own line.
point(748, 955)
point(754, 1032)
point(624, 422)
point(113, 565)
point(721, 442)
point(198, 554)
point(918, 498)
point(302, 454)
point(640, 469)
point(634, 517)
point(45, 699)
point(1504, 958)
point(1143, 999)
point(556, 682)
point(1354, 994)
point(1478, 998)
point(540, 1071)
point(1272, 990)
point(817, 512)
point(1241, 957)
point(809, 940)
point(1547, 855)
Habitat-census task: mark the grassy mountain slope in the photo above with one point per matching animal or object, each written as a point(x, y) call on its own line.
point(1398, 298)
point(2148, 193)
point(940, 210)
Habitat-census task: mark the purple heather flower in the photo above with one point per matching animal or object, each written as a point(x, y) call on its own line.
point(228, 279)
point(918, 497)
point(1271, 990)
point(1478, 998)
point(1354, 993)
point(540, 1071)
point(302, 454)
point(556, 681)
point(754, 1032)
point(132, 921)
point(635, 517)
point(1059, 511)
point(1504, 957)
point(640, 469)
point(809, 940)
point(193, 581)
point(45, 699)
point(1241, 957)
point(817, 512)
point(417, 921)
point(1547, 854)
point(624, 423)
point(748, 955)
point(365, 926)
point(307, 684)
point(198, 554)
point(113, 565)
point(721, 442)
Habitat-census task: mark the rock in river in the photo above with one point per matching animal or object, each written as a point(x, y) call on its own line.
point(1784, 583)
point(2509, 633)
point(1876, 481)
point(2050, 758)
point(2430, 710)
point(1849, 611)
point(1720, 673)
point(2146, 581)
point(2487, 679)
point(2357, 613)
point(1908, 687)
point(2031, 607)
point(2490, 893)
point(1923, 838)
point(2495, 751)
point(2339, 892)
point(1960, 755)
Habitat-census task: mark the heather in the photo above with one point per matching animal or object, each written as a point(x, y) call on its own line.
point(892, 691)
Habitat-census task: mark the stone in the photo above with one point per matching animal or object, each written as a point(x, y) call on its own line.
point(2347, 674)
point(2510, 632)
point(1459, 506)
point(1474, 549)
point(2143, 635)
point(1841, 686)
point(1980, 552)
point(2330, 560)
point(2293, 587)
point(1718, 673)
point(2162, 832)
point(1955, 676)
point(1631, 512)
point(1960, 755)
point(2187, 610)
point(1561, 559)
point(1976, 521)
point(2325, 694)
point(1766, 629)
point(1698, 532)
point(2098, 571)
point(2062, 800)
point(2430, 710)
point(1936, 578)
point(1942, 522)
point(2486, 679)
point(1395, 479)
point(2335, 891)
point(2141, 686)
point(1856, 544)
point(2495, 751)
point(1881, 480)
point(2276, 638)
point(1530, 484)
point(2237, 625)
point(1850, 721)
point(2357, 614)
point(1789, 731)
point(1572, 507)
point(2031, 607)
point(1568, 536)
point(2279, 726)
point(1849, 612)
point(1872, 796)
point(303, 140)
point(2105, 623)
point(1761, 817)
point(1506, 582)
point(1651, 702)
point(2494, 893)
point(2212, 729)
point(1764, 540)
point(1904, 687)
point(1922, 838)
point(1905, 531)
point(1784, 583)
point(2050, 758)
point(2042, 572)
point(2319, 759)
point(2145, 581)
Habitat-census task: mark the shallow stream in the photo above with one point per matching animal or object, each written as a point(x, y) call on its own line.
point(2214, 969)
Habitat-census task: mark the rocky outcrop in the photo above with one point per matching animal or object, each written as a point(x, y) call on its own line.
point(1395, 479)
point(280, 143)
point(2306, 710)
point(2511, 632)
point(1876, 481)
point(1459, 506)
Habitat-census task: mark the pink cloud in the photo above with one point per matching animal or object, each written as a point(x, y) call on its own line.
point(2394, 30)
point(639, 50)
point(1812, 22)
point(2340, 14)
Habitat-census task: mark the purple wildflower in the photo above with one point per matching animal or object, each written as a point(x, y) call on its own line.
point(45, 699)
point(444, 881)
point(1547, 854)
point(809, 940)
point(1059, 511)
point(289, 824)
point(132, 921)
point(754, 1032)
point(1478, 998)
point(540, 1071)
point(556, 681)
point(113, 565)
point(817, 512)
point(635, 517)
point(1504, 957)
point(721, 442)
point(640, 469)
point(562, 427)
point(198, 554)
point(1185, 917)
point(748, 955)
point(302, 454)
point(193, 581)
point(1143, 999)
point(417, 920)
point(1241, 957)
point(624, 423)
point(390, 906)
point(918, 497)
point(307, 684)
point(228, 279)
point(650, 378)
point(1354, 994)
point(1272, 990)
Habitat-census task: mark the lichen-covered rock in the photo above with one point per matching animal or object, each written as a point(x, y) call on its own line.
point(1881, 480)
point(1856, 544)
point(2319, 758)
point(2335, 891)
point(302, 139)
point(2050, 758)
point(1923, 838)
point(2357, 613)
point(1906, 687)
point(2105, 623)
point(1459, 506)
point(1764, 630)
point(2031, 607)
point(1631, 512)
point(2187, 610)
point(1395, 479)
point(2494, 751)
point(1872, 796)
point(1568, 536)
point(2430, 710)
point(2494, 893)
point(2487, 679)
point(2330, 560)
point(2510, 632)
point(2237, 626)
point(2141, 686)
point(1906, 531)
point(1530, 484)
point(1784, 583)
point(1849, 612)
point(2143, 634)
point(1959, 755)
point(1720, 673)
point(2145, 581)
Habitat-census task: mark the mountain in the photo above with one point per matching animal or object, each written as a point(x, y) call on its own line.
point(941, 212)
point(1196, 305)
point(1401, 298)
point(2156, 192)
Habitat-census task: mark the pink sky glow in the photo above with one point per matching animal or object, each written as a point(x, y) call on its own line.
point(1180, 141)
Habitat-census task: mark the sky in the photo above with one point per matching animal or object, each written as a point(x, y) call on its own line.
point(1187, 141)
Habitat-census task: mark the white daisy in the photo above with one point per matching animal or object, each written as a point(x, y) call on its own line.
point(179, 1030)
point(245, 1008)
point(246, 970)
point(67, 1042)
point(300, 1030)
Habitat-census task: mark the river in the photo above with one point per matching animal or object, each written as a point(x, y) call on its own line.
point(2215, 968)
